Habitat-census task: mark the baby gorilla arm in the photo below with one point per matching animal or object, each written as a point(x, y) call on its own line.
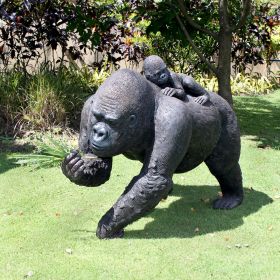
point(195, 89)
point(176, 90)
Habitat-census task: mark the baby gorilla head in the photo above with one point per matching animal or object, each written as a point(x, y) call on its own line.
point(155, 71)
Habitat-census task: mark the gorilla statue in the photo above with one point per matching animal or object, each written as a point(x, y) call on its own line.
point(130, 115)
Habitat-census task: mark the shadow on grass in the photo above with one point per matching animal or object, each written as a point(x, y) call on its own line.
point(5, 163)
point(7, 147)
point(190, 212)
point(260, 118)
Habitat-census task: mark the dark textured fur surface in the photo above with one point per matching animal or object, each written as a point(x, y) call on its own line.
point(129, 115)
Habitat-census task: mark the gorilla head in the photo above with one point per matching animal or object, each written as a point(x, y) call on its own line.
point(155, 71)
point(119, 114)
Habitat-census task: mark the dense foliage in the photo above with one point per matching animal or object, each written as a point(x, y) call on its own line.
point(111, 29)
point(45, 99)
point(75, 27)
point(252, 44)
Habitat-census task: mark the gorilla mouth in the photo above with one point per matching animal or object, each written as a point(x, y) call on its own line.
point(97, 148)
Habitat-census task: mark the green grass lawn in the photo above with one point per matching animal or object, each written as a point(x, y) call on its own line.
point(48, 224)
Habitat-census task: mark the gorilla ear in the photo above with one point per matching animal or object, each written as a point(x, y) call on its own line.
point(132, 121)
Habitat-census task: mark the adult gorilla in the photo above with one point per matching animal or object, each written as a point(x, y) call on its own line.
point(129, 115)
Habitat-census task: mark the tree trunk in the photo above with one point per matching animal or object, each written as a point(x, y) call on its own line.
point(224, 65)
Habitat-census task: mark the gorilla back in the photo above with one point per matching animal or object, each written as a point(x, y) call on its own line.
point(130, 115)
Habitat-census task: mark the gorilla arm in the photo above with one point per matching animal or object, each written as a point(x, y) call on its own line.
point(145, 191)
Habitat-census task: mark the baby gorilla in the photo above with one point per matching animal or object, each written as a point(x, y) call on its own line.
point(173, 84)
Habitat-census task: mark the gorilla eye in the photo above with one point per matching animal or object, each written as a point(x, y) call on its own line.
point(111, 121)
point(132, 120)
point(162, 75)
point(98, 116)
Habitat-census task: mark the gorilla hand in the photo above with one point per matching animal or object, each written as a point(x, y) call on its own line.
point(169, 91)
point(174, 92)
point(201, 99)
point(73, 168)
point(88, 171)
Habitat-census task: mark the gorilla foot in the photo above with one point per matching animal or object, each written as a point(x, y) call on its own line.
point(227, 202)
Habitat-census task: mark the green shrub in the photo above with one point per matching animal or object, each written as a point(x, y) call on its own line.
point(12, 95)
point(45, 99)
point(241, 84)
point(275, 38)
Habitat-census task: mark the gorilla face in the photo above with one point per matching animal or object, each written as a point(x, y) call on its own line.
point(160, 77)
point(110, 133)
point(118, 115)
point(155, 71)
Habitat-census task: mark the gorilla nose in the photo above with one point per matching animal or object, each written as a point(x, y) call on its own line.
point(99, 133)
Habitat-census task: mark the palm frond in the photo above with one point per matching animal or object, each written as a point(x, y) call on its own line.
point(49, 152)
